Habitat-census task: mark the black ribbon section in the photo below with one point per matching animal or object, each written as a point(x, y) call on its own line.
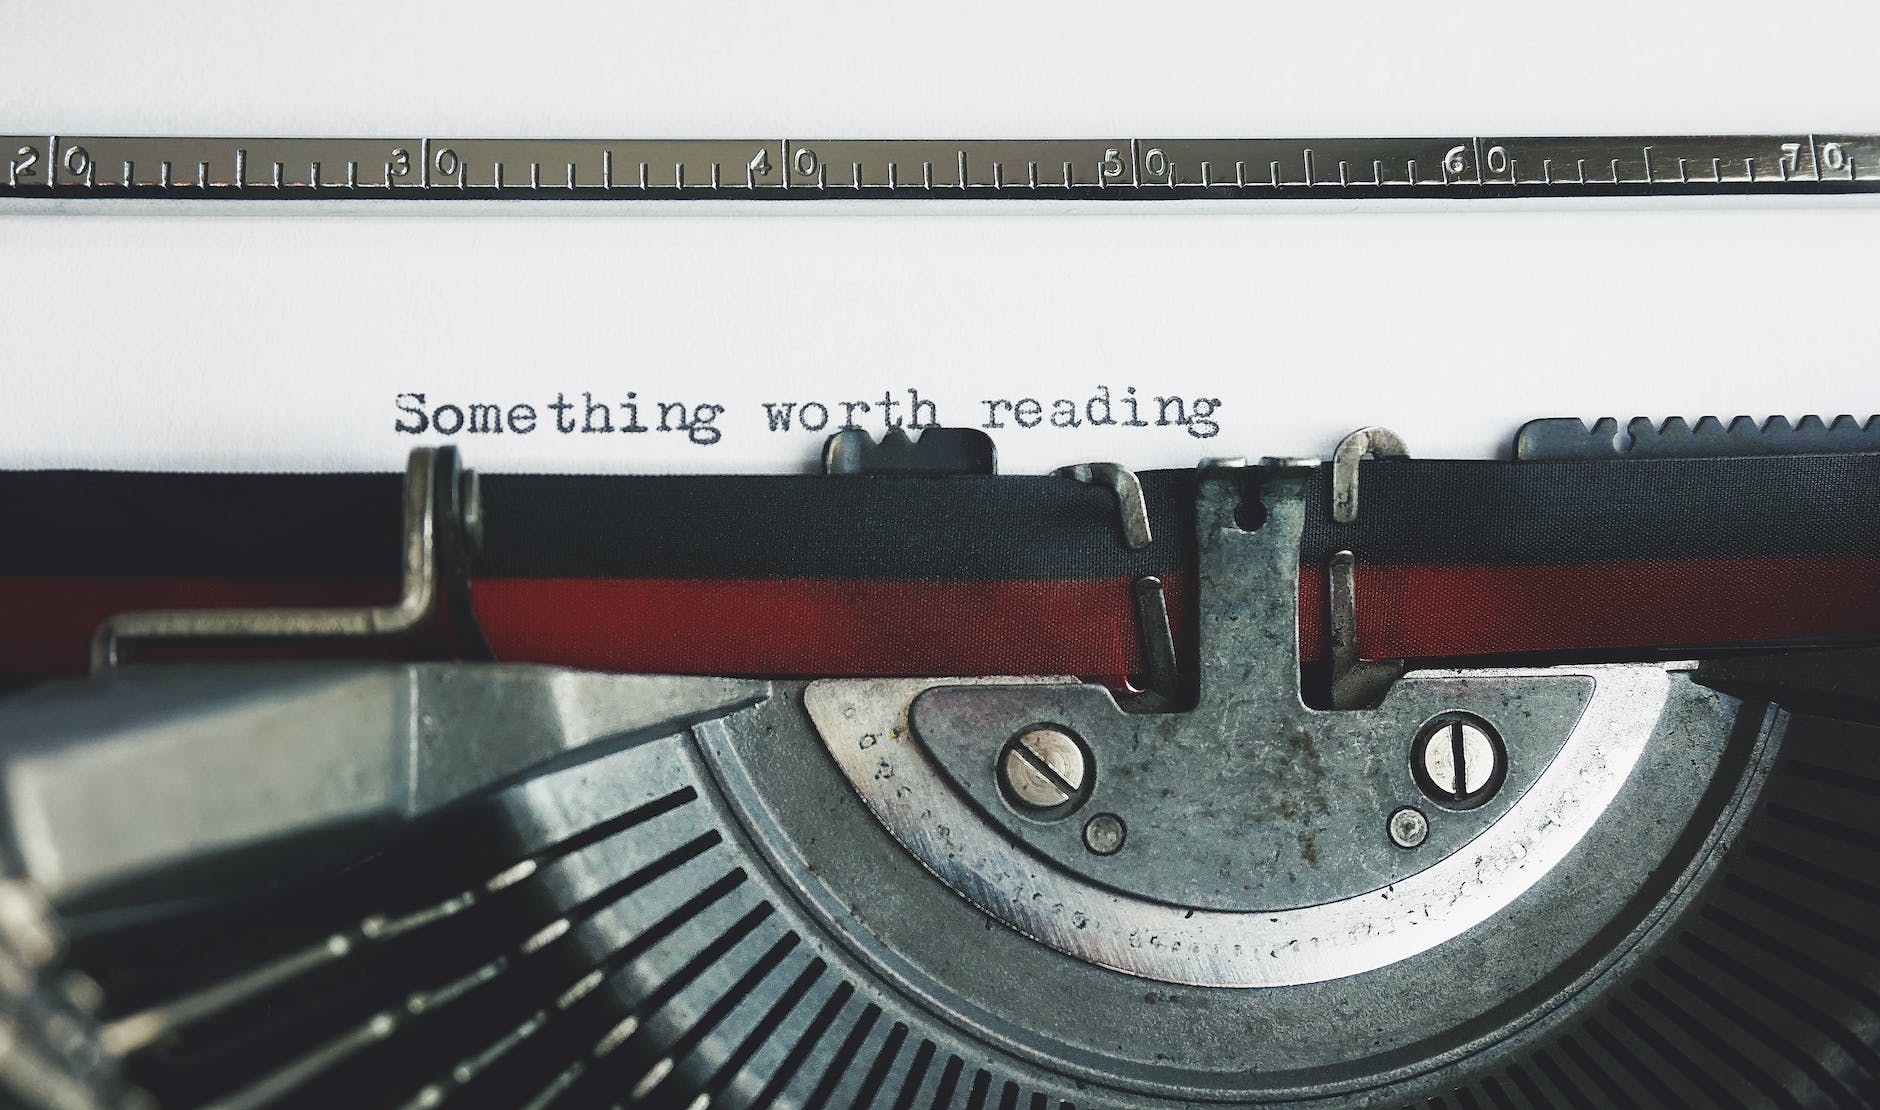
point(889, 527)
point(72, 523)
point(1607, 510)
point(87, 523)
point(103, 524)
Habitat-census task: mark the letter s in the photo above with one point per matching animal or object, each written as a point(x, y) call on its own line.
point(424, 421)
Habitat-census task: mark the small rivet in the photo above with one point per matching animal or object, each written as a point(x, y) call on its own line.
point(1408, 827)
point(1104, 833)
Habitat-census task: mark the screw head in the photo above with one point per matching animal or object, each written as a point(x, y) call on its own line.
point(1408, 827)
point(1104, 834)
point(1043, 768)
point(1459, 761)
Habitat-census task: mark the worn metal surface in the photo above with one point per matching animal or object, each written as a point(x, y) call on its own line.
point(937, 451)
point(103, 781)
point(1567, 437)
point(1255, 854)
point(1250, 801)
point(1344, 904)
point(1136, 168)
point(1161, 1040)
point(764, 940)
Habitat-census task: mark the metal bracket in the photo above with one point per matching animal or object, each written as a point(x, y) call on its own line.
point(433, 476)
point(1380, 443)
point(1132, 508)
point(1162, 674)
point(1356, 683)
point(938, 451)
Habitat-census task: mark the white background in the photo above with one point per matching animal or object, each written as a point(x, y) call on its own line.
point(268, 336)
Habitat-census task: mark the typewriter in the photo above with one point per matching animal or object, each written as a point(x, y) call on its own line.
point(1365, 781)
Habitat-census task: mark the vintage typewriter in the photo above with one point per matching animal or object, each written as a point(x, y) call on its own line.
point(1365, 781)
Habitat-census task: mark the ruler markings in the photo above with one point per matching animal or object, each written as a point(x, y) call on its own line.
point(1181, 167)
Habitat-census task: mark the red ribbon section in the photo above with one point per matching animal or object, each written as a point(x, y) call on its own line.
point(1083, 627)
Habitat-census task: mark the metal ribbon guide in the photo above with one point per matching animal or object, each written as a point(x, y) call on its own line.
point(1375, 780)
point(62, 165)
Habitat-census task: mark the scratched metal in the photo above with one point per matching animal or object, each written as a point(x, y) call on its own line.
point(907, 747)
point(864, 723)
point(1136, 168)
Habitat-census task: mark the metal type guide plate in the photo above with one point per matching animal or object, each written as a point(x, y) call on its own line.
point(55, 165)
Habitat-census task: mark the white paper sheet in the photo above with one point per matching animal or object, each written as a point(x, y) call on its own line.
point(276, 337)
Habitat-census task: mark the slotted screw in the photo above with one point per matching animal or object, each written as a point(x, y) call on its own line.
point(1460, 760)
point(1043, 768)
